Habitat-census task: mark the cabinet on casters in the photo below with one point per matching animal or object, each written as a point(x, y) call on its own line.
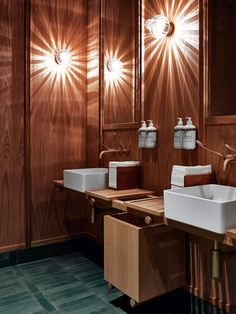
point(143, 261)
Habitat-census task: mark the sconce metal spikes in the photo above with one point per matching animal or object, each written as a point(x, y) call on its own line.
point(114, 65)
point(160, 26)
point(63, 57)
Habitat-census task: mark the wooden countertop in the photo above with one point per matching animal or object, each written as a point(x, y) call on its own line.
point(152, 205)
point(231, 233)
point(59, 183)
point(144, 201)
point(110, 195)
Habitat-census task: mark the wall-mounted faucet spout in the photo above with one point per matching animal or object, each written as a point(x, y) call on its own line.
point(227, 158)
point(113, 150)
point(118, 149)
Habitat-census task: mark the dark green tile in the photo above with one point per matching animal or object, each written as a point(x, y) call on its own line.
point(45, 303)
point(87, 305)
point(19, 303)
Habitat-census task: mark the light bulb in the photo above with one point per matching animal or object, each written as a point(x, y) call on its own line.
point(159, 26)
point(114, 65)
point(63, 57)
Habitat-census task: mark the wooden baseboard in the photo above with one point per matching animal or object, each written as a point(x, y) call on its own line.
point(57, 239)
point(11, 248)
point(36, 243)
point(228, 308)
point(14, 247)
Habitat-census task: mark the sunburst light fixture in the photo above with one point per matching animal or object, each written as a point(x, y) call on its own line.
point(63, 57)
point(114, 66)
point(160, 26)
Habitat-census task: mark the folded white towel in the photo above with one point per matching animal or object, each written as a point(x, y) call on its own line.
point(123, 163)
point(186, 170)
point(113, 165)
point(175, 186)
point(177, 180)
point(179, 172)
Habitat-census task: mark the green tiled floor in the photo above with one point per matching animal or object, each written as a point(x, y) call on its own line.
point(66, 284)
point(72, 283)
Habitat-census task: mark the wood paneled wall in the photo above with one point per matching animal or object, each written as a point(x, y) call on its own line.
point(120, 22)
point(220, 292)
point(93, 82)
point(170, 86)
point(57, 114)
point(120, 99)
point(12, 211)
point(60, 103)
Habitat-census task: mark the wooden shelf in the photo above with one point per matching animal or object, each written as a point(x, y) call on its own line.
point(152, 205)
point(144, 201)
point(229, 238)
point(231, 233)
point(59, 183)
point(110, 195)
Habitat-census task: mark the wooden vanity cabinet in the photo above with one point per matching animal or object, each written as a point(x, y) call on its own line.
point(143, 261)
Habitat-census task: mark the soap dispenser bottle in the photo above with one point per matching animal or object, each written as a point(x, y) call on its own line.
point(151, 139)
point(142, 135)
point(189, 138)
point(178, 134)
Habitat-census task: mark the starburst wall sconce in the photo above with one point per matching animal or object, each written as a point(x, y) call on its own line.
point(63, 57)
point(160, 26)
point(114, 66)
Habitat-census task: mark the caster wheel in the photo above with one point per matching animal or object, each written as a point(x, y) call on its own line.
point(109, 285)
point(132, 303)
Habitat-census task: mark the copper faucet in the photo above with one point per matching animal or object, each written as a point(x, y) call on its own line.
point(113, 150)
point(118, 149)
point(227, 158)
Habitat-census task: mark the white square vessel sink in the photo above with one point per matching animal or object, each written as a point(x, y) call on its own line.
point(86, 179)
point(211, 207)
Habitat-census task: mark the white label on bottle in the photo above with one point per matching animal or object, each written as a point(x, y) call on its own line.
point(178, 139)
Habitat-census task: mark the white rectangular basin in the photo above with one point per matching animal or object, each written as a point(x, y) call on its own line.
point(211, 207)
point(86, 179)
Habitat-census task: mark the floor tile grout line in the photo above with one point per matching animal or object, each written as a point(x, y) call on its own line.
point(34, 290)
point(39, 290)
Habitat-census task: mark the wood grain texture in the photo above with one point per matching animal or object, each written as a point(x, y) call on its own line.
point(128, 177)
point(232, 233)
point(215, 132)
point(93, 82)
point(151, 205)
point(225, 135)
point(222, 49)
point(120, 41)
point(12, 211)
point(200, 179)
point(219, 292)
point(142, 261)
point(222, 238)
point(120, 100)
point(109, 194)
point(58, 114)
point(128, 139)
point(170, 86)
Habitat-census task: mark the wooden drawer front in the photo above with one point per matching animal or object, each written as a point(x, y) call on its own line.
point(142, 261)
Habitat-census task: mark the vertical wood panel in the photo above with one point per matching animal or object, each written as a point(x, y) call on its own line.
point(222, 49)
point(120, 42)
point(58, 111)
point(220, 292)
point(128, 139)
point(170, 86)
point(12, 224)
point(93, 81)
point(225, 135)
